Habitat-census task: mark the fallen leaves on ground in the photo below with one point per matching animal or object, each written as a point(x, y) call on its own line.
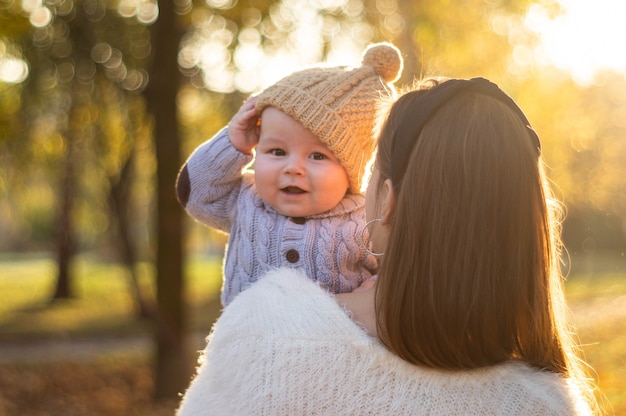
point(107, 388)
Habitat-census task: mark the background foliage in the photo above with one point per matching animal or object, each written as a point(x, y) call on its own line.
point(87, 65)
point(78, 136)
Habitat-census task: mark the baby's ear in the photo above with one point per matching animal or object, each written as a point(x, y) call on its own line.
point(183, 186)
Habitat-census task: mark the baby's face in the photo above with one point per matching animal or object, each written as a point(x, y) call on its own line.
point(295, 172)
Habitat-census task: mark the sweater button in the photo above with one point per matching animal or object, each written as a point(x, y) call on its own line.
point(292, 256)
point(298, 220)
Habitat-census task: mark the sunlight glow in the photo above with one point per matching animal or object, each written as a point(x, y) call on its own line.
point(40, 17)
point(30, 5)
point(252, 66)
point(145, 11)
point(13, 70)
point(589, 36)
point(303, 46)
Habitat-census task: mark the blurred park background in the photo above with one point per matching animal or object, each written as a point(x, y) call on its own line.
point(107, 289)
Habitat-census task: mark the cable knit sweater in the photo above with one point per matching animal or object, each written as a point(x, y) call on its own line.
point(285, 347)
point(217, 191)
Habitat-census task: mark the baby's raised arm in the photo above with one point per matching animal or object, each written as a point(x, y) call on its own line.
point(243, 129)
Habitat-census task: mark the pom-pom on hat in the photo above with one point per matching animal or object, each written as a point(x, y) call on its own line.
point(340, 105)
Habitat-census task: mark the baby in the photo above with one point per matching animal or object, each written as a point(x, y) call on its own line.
point(310, 137)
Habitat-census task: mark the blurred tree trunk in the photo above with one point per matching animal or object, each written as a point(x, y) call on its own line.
point(173, 366)
point(73, 133)
point(65, 230)
point(119, 198)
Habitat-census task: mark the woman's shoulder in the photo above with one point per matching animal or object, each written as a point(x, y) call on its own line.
point(504, 389)
point(281, 282)
point(535, 390)
point(285, 332)
point(285, 302)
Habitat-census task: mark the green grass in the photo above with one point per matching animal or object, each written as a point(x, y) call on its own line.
point(598, 305)
point(102, 304)
point(595, 290)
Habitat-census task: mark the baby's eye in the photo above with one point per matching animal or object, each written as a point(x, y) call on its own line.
point(278, 152)
point(318, 156)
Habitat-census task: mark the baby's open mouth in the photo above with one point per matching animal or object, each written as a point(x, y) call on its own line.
point(293, 190)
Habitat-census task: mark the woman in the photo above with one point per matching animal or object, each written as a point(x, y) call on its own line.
point(466, 315)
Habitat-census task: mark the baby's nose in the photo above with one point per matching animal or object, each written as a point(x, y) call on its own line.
point(294, 166)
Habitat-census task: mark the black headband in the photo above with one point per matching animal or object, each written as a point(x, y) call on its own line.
point(426, 105)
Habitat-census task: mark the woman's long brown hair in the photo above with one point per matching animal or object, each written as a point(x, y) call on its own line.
point(471, 273)
point(470, 248)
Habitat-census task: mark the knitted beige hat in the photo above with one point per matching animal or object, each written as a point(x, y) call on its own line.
point(340, 105)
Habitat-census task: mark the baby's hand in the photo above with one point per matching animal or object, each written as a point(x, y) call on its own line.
point(367, 284)
point(243, 129)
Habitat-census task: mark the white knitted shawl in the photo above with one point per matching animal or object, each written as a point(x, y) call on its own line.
point(285, 347)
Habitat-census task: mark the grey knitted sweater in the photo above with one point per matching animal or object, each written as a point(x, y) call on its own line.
point(217, 190)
